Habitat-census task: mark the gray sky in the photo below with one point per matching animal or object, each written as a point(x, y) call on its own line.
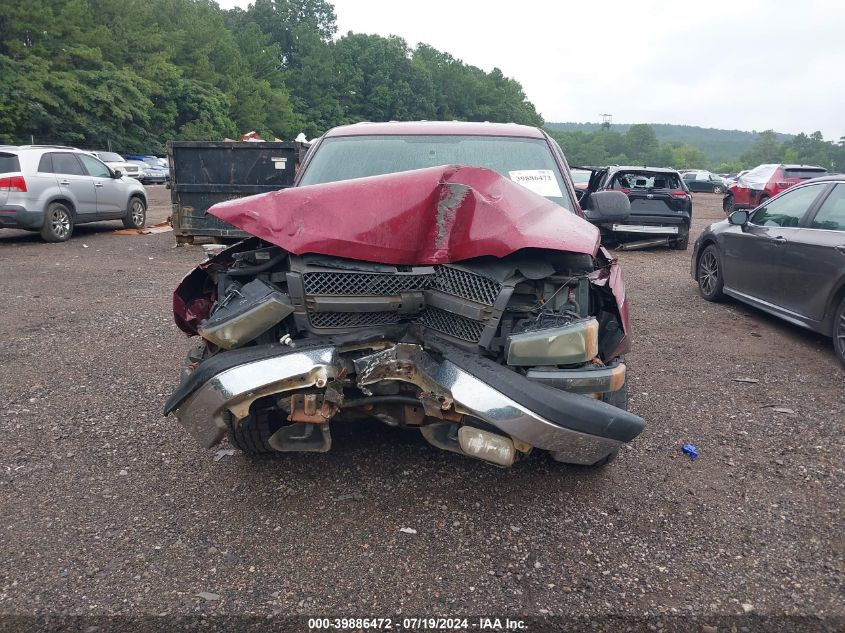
point(747, 64)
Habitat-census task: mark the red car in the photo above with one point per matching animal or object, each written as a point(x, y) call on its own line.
point(764, 181)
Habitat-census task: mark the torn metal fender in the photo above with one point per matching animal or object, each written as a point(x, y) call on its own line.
point(436, 215)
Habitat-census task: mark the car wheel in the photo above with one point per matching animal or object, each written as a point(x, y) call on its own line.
point(136, 216)
point(604, 461)
point(709, 274)
point(763, 200)
point(252, 434)
point(58, 223)
point(728, 204)
point(718, 189)
point(839, 332)
point(682, 241)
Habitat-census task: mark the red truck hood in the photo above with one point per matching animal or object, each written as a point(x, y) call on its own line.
point(435, 215)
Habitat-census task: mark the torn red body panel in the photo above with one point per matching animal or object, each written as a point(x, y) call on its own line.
point(436, 215)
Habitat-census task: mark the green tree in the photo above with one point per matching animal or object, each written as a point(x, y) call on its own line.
point(766, 149)
point(687, 157)
point(641, 142)
point(84, 72)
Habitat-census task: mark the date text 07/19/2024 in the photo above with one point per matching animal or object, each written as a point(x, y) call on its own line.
point(417, 624)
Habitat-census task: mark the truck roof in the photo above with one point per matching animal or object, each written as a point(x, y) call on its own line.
point(410, 128)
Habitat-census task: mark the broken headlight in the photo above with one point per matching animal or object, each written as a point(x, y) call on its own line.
point(244, 313)
point(570, 344)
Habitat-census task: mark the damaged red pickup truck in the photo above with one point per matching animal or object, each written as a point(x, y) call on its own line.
point(437, 276)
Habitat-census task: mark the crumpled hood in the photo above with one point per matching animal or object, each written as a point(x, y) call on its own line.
point(435, 215)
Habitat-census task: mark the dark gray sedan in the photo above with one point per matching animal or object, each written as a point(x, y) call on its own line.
point(786, 257)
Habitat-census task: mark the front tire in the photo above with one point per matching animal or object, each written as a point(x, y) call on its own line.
point(136, 215)
point(728, 205)
point(58, 223)
point(709, 274)
point(252, 435)
point(839, 332)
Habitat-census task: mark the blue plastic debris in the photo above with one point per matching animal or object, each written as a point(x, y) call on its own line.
point(690, 450)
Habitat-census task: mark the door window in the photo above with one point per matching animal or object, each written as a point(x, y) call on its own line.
point(787, 210)
point(94, 167)
point(67, 164)
point(45, 165)
point(831, 215)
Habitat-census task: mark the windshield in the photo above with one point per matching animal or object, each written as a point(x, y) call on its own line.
point(626, 180)
point(528, 161)
point(110, 157)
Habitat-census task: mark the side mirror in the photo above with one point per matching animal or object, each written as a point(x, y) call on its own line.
point(605, 206)
point(118, 174)
point(739, 217)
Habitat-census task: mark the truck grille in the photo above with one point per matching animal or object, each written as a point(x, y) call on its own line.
point(452, 324)
point(352, 319)
point(453, 281)
point(461, 283)
point(362, 284)
point(446, 279)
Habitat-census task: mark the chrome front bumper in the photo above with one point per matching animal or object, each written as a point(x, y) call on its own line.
point(458, 382)
point(236, 388)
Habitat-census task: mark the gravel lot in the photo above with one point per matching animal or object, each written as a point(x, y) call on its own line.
point(108, 508)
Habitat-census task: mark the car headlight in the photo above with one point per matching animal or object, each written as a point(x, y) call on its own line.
point(569, 344)
point(245, 313)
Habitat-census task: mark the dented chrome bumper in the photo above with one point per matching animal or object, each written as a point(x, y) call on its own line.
point(235, 388)
point(574, 428)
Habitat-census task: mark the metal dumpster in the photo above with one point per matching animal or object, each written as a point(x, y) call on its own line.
point(203, 173)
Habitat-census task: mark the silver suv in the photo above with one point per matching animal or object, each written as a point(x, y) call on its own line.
point(51, 189)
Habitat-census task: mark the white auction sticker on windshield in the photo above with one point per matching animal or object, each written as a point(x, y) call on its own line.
point(540, 181)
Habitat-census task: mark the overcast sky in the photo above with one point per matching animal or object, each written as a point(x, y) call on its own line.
point(747, 64)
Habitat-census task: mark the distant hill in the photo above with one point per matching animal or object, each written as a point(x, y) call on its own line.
point(717, 145)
